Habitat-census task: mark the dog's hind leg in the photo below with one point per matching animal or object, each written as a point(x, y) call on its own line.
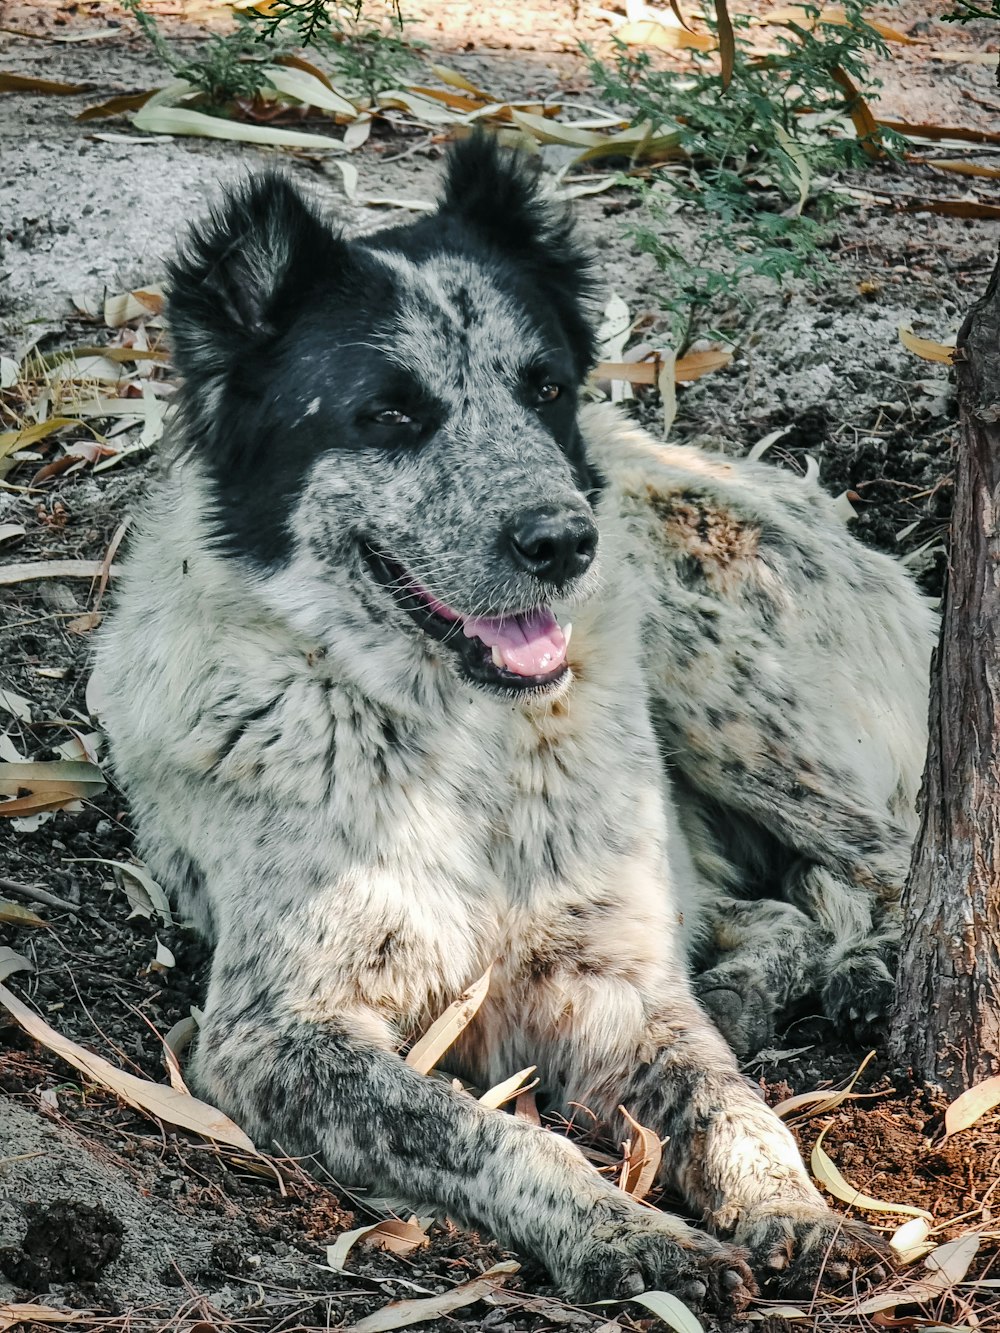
point(764, 956)
point(787, 667)
point(860, 938)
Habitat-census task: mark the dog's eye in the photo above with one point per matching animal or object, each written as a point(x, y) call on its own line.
point(392, 418)
point(548, 393)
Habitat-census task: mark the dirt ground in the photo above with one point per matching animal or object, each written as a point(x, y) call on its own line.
point(101, 1210)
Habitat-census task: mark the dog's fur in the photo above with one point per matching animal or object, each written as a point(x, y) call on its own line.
point(362, 829)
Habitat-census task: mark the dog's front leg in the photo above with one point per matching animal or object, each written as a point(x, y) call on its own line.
point(724, 1149)
point(317, 1079)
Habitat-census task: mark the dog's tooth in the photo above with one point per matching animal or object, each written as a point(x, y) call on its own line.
point(497, 659)
point(567, 630)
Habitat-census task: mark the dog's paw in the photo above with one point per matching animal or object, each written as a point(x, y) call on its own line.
point(647, 1251)
point(859, 993)
point(739, 1007)
point(796, 1248)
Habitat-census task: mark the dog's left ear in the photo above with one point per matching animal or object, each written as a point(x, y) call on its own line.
point(498, 193)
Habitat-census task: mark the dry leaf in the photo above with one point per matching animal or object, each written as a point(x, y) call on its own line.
point(456, 80)
point(800, 164)
point(116, 106)
point(643, 1161)
point(358, 133)
point(85, 623)
point(959, 167)
point(693, 365)
point(914, 130)
point(909, 1241)
point(825, 1100)
point(164, 958)
point(634, 372)
point(138, 304)
point(163, 117)
point(181, 1035)
point(966, 1109)
point(400, 1314)
point(672, 1311)
point(15, 704)
point(526, 1107)
point(686, 369)
point(865, 124)
point(727, 42)
point(392, 1234)
point(28, 83)
point(953, 208)
point(60, 775)
point(13, 440)
point(965, 57)
point(829, 1176)
point(926, 348)
point(801, 16)
point(11, 962)
point(304, 86)
point(13, 914)
point(946, 1266)
point(663, 37)
point(11, 530)
point(509, 1089)
point(155, 1099)
point(137, 884)
point(949, 1263)
point(54, 569)
point(37, 804)
point(13, 1315)
point(444, 1031)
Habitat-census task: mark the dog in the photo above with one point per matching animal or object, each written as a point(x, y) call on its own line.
point(419, 669)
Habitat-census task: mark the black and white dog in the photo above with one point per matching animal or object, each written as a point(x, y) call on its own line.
point(369, 760)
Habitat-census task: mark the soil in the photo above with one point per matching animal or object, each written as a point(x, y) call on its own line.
point(102, 1209)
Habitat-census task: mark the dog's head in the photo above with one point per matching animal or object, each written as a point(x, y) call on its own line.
point(388, 424)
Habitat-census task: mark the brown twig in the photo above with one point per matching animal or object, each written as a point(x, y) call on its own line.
point(37, 895)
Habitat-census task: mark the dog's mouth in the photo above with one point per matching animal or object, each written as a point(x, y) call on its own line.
point(516, 653)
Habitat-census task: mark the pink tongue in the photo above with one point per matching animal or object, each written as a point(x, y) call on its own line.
point(532, 644)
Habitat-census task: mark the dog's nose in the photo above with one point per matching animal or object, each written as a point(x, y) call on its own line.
point(554, 544)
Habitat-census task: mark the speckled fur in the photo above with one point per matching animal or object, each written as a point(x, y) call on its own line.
point(361, 832)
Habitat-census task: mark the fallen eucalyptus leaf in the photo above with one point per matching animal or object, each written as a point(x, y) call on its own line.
point(444, 1031)
point(966, 1109)
point(643, 1162)
point(155, 1099)
point(400, 1314)
point(11, 962)
point(672, 1311)
point(829, 1176)
point(15, 704)
point(137, 884)
point(512, 1087)
point(13, 914)
point(391, 1234)
point(926, 348)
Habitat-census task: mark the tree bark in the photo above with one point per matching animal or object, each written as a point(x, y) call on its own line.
point(946, 1025)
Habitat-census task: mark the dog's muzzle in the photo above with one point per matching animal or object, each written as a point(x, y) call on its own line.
point(518, 653)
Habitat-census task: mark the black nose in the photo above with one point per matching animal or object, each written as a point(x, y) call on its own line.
point(554, 544)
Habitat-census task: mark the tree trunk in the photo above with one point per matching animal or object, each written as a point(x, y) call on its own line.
point(946, 1025)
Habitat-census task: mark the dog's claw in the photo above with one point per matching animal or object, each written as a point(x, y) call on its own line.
point(631, 1285)
point(694, 1293)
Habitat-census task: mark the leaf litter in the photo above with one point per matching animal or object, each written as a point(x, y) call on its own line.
point(120, 404)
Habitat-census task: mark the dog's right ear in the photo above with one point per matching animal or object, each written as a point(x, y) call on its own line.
point(234, 284)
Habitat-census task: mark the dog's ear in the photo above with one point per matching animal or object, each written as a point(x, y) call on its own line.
point(498, 192)
point(233, 286)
